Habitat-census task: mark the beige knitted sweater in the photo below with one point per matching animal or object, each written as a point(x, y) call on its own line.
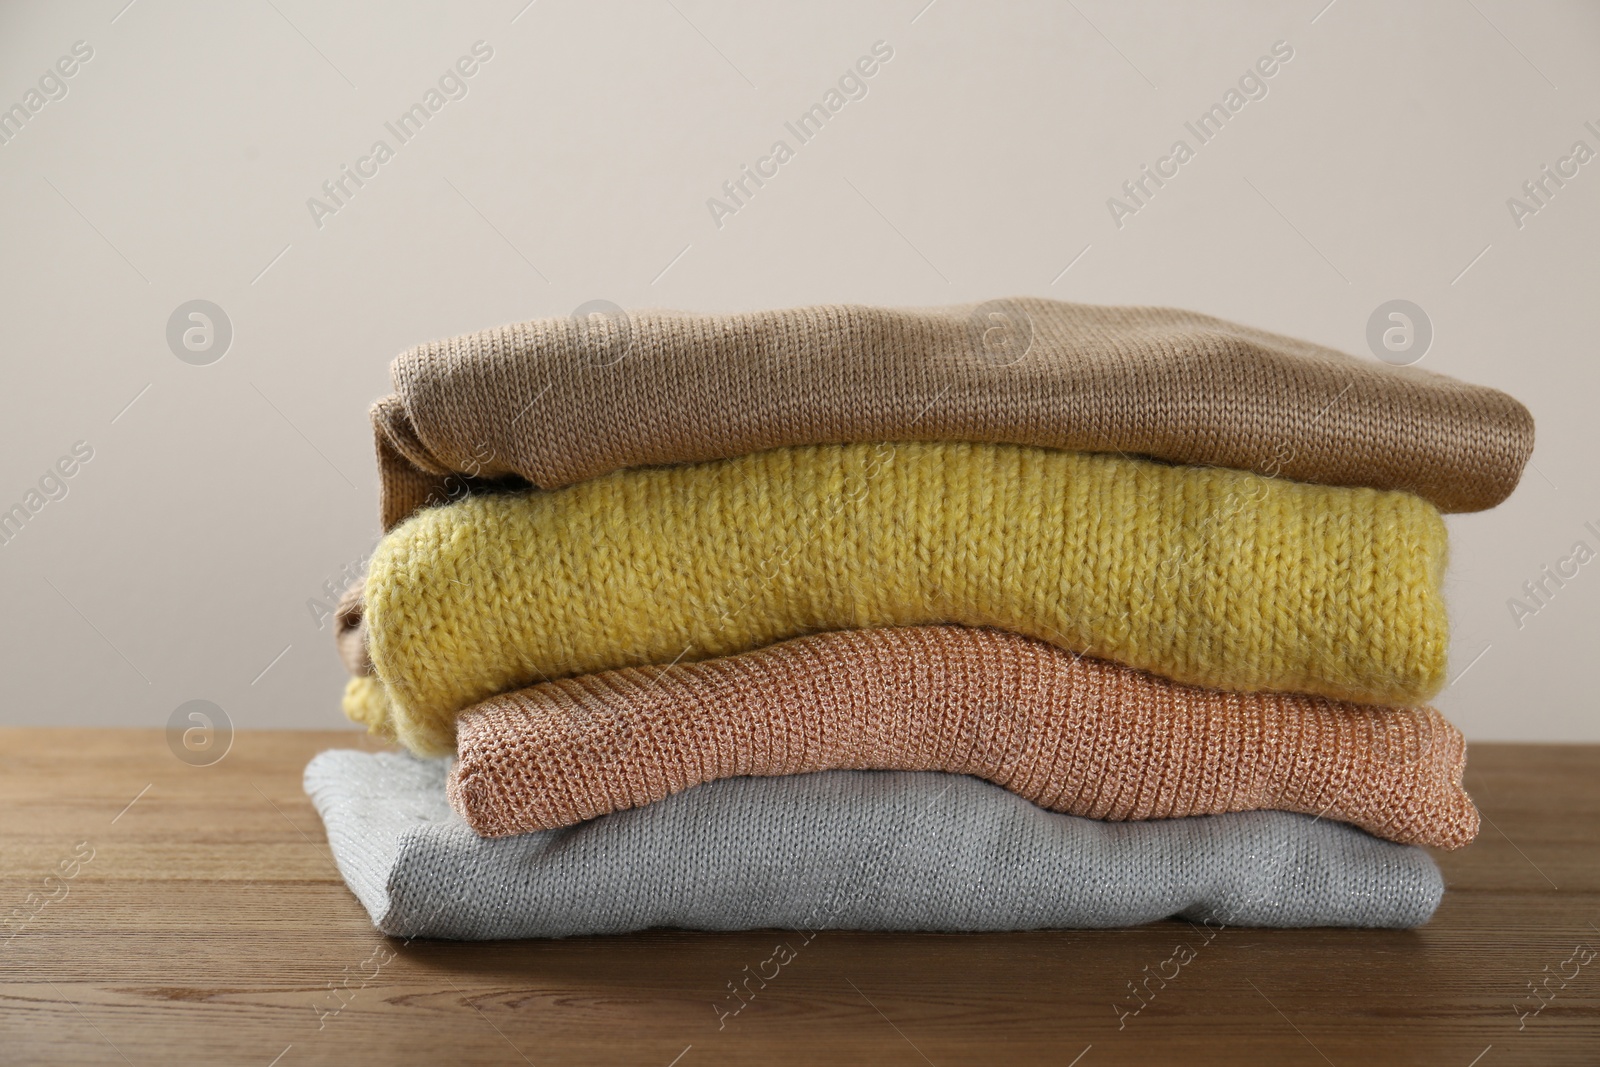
point(556, 401)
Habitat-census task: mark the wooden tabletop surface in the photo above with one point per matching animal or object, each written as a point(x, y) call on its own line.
point(193, 914)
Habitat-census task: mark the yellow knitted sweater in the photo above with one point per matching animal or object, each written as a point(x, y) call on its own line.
point(1208, 576)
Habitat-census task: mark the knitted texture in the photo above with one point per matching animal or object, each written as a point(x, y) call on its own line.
point(1207, 576)
point(864, 850)
point(1069, 733)
point(557, 401)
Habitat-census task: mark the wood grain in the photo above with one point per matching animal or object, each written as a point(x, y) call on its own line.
point(210, 926)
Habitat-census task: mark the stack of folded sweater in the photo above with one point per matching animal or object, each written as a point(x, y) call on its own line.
point(832, 617)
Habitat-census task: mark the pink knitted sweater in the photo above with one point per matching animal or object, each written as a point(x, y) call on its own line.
point(1072, 734)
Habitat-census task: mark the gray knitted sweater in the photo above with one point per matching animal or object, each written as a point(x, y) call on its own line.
point(866, 850)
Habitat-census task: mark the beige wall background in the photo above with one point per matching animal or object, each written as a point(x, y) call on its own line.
point(575, 163)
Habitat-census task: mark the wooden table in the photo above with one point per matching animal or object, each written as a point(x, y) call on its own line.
point(203, 921)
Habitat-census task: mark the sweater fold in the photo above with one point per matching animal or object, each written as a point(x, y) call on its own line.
point(1069, 733)
point(848, 850)
point(556, 401)
point(1206, 576)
